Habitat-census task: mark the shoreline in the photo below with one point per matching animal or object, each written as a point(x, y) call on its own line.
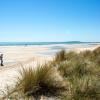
point(20, 54)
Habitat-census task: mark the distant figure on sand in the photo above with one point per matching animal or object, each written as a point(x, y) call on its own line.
point(1, 58)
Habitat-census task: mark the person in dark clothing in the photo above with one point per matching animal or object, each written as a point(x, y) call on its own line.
point(1, 58)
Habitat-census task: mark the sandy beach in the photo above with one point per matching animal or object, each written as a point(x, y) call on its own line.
point(17, 56)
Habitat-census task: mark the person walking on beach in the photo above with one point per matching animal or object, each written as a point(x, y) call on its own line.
point(1, 58)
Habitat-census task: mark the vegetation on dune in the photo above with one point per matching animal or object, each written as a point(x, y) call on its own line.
point(96, 52)
point(85, 88)
point(70, 55)
point(72, 76)
point(78, 68)
point(83, 73)
point(44, 80)
point(60, 56)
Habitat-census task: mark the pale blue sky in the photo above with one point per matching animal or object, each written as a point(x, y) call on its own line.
point(49, 20)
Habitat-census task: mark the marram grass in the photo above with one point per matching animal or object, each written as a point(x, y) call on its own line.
point(60, 56)
point(44, 80)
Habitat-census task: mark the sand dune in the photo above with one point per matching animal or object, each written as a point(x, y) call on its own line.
point(17, 56)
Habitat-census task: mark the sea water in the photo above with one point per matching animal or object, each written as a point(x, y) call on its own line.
point(43, 43)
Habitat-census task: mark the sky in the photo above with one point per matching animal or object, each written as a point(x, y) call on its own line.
point(49, 20)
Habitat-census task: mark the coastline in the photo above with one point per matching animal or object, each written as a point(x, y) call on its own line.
point(30, 56)
point(14, 55)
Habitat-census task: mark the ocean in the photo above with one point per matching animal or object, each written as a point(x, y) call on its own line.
point(43, 43)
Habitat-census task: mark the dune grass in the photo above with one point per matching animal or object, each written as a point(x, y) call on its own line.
point(44, 80)
point(85, 88)
point(82, 71)
point(60, 56)
point(70, 76)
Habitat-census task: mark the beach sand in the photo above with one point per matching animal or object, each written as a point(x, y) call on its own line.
point(16, 57)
